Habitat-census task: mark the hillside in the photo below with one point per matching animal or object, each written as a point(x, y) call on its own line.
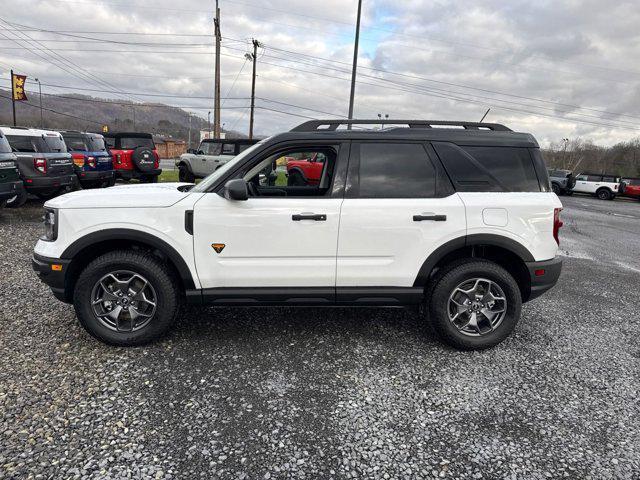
point(94, 112)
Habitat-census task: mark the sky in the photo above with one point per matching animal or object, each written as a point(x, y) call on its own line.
point(555, 69)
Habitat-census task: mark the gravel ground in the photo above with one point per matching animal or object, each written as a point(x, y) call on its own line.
point(344, 393)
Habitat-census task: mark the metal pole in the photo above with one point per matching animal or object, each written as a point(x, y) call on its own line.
point(134, 116)
point(209, 123)
point(216, 107)
point(485, 115)
point(40, 93)
point(189, 147)
point(355, 63)
point(13, 100)
point(253, 87)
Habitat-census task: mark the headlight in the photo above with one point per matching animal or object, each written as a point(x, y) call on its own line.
point(50, 224)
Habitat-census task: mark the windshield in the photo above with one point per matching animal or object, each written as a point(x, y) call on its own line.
point(204, 185)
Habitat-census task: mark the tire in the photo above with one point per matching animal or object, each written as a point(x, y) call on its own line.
point(111, 182)
point(462, 274)
point(568, 193)
point(149, 179)
point(3, 203)
point(185, 175)
point(19, 200)
point(161, 288)
point(143, 158)
point(556, 189)
point(295, 179)
point(604, 194)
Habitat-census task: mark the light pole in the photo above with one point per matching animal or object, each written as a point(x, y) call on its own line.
point(355, 63)
point(209, 123)
point(564, 156)
point(189, 147)
point(40, 93)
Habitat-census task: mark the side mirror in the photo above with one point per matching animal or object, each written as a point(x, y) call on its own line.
point(236, 189)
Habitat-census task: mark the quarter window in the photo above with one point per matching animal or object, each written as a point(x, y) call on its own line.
point(395, 170)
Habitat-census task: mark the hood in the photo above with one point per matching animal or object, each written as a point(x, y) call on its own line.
point(123, 196)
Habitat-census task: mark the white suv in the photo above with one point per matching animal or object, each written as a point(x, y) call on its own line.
point(603, 186)
point(459, 219)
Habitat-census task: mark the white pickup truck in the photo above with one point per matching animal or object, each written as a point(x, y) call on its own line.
point(208, 157)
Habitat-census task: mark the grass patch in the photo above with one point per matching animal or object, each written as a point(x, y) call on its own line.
point(168, 176)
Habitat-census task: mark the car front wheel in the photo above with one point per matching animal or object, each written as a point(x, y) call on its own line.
point(184, 175)
point(126, 298)
point(474, 304)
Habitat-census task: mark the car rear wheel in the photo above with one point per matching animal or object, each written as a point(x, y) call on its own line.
point(18, 200)
point(604, 194)
point(185, 175)
point(474, 304)
point(126, 298)
point(556, 188)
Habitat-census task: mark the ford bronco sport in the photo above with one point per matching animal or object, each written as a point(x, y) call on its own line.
point(11, 188)
point(134, 156)
point(460, 221)
point(209, 156)
point(604, 186)
point(92, 162)
point(43, 161)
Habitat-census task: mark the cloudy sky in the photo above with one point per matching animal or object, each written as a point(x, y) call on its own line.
point(555, 69)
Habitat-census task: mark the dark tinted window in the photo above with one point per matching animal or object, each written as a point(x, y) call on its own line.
point(610, 179)
point(110, 141)
point(490, 169)
point(75, 142)
point(229, 149)
point(398, 170)
point(55, 143)
point(24, 143)
point(129, 143)
point(594, 178)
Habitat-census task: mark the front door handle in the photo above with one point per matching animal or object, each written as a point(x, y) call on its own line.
point(433, 218)
point(318, 217)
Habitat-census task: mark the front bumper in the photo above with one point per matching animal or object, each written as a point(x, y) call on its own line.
point(43, 184)
point(10, 189)
point(544, 275)
point(52, 272)
point(96, 176)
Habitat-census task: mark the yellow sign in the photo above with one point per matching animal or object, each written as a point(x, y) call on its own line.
point(105, 128)
point(17, 87)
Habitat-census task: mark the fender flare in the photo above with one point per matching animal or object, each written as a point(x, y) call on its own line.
point(470, 240)
point(136, 236)
point(186, 164)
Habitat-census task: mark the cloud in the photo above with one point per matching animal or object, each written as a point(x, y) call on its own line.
point(533, 63)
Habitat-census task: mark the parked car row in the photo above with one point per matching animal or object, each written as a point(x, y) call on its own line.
point(47, 163)
point(602, 185)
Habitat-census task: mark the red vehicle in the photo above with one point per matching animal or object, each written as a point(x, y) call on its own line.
point(306, 170)
point(134, 156)
point(631, 187)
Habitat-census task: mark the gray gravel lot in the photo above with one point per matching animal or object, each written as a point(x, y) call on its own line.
point(342, 393)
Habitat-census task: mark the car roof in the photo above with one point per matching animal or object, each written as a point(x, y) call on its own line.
point(25, 131)
point(76, 132)
point(462, 133)
point(127, 134)
point(599, 174)
point(229, 140)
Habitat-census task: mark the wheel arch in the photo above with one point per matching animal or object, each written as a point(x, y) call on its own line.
point(506, 252)
point(84, 250)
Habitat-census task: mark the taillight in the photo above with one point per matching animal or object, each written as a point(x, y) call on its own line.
point(118, 158)
point(557, 224)
point(91, 161)
point(156, 163)
point(40, 164)
point(78, 159)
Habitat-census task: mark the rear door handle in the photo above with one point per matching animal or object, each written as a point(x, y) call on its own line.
point(318, 217)
point(433, 218)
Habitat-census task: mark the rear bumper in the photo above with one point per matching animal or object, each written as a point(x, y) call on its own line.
point(10, 189)
point(40, 184)
point(129, 174)
point(544, 275)
point(55, 279)
point(96, 175)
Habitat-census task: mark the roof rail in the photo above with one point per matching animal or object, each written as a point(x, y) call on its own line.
point(331, 125)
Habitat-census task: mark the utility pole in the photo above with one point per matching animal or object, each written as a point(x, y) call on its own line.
point(40, 93)
point(134, 116)
point(216, 107)
point(256, 44)
point(355, 63)
point(209, 123)
point(189, 144)
point(13, 100)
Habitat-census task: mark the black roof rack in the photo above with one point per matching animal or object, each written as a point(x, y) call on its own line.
point(331, 125)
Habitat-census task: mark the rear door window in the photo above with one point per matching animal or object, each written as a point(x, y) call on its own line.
point(594, 178)
point(228, 149)
point(610, 179)
point(489, 169)
point(392, 170)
